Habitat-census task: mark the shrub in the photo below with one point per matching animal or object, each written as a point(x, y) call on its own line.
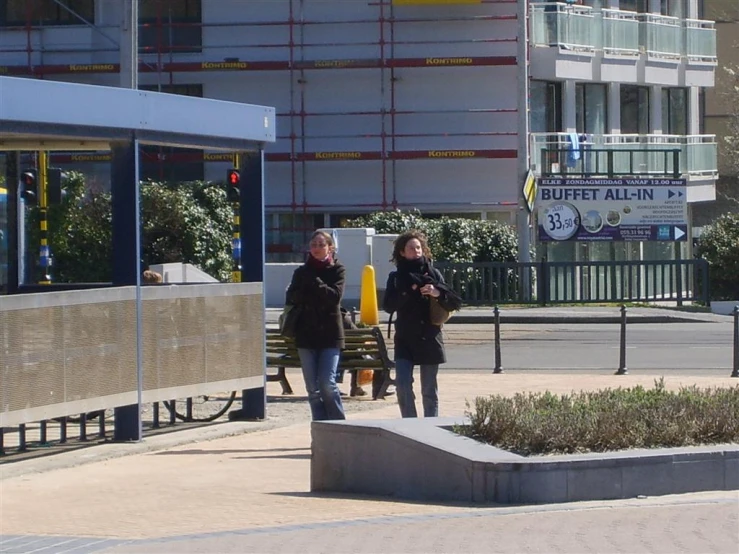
point(457, 240)
point(606, 420)
point(183, 222)
point(391, 222)
point(719, 246)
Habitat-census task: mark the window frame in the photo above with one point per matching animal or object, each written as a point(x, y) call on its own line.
point(643, 93)
point(57, 16)
point(581, 108)
point(189, 41)
point(162, 169)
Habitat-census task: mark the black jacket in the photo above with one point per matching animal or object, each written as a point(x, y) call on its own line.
point(319, 292)
point(416, 338)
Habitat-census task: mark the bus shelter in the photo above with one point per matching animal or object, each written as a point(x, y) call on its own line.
point(66, 352)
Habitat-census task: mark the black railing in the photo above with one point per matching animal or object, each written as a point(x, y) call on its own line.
point(578, 282)
point(588, 161)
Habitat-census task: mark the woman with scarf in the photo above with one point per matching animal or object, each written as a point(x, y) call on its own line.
point(419, 342)
point(317, 287)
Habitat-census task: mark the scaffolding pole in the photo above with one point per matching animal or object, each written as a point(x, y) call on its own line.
point(129, 52)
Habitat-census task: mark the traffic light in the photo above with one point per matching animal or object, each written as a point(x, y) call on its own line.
point(233, 184)
point(29, 183)
point(54, 191)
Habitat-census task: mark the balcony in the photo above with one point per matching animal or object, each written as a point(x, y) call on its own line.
point(616, 32)
point(700, 40)
point(571, 27)
point(688, 156)
point(619, 32)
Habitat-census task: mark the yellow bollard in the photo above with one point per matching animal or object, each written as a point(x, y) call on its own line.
point(368, 312)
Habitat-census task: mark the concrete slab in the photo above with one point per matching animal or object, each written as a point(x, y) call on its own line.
point(423, 460)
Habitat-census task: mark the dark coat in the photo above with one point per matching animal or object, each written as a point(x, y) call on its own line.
point(319, 292)
point(416, 338)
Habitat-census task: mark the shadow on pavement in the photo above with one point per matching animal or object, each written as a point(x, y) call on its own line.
point(197, 451)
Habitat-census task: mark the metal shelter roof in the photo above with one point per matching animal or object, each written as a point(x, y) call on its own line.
point(52, 115)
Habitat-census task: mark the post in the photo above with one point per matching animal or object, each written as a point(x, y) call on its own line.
point(124, 167)
point(543, 282)
point(735, 373)
point(679, 273)
point(522, 215)
point(14, 235)
point(498, 367)
point(609, 162)
point(622, 369)
point(251, 217)
point(44, 249)
point(676, 164)
point(236, 229)
point(129, 44)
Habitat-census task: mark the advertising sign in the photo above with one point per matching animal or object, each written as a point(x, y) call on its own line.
point(605, 209)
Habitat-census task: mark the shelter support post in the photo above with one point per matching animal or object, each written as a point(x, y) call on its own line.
point(254, 401)
point(12, 177)
point(126, 260)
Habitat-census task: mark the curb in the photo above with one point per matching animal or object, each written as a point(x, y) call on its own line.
point(574, 320)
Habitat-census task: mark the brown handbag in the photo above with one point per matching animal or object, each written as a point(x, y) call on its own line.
point(438, 315)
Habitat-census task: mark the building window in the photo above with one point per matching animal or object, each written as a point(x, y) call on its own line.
point(170, 26)
point(167, 163)
point(633, 6)
point(591, 108)
point(634, 110)
point(546, 106)
point(675, 111)
point(674, 8)
point(46, 12)
point(288, 242)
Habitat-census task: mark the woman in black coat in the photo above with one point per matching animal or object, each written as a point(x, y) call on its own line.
point(417, 341)
point(317, 287)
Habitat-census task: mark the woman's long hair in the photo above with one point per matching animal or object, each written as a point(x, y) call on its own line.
point(403, 239)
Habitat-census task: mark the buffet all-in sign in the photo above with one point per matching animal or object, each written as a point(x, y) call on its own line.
point(608, 209)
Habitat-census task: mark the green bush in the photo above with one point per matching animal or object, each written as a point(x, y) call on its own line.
point(391, 222)
point(455, 240)
point(183, 222)
point(719, 246)
point(606, 420)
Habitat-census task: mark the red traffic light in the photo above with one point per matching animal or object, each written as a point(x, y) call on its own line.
point(29, 183)
point(233, 177)
point(29, 178)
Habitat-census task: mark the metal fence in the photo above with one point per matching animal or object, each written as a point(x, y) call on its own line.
point(574, 282)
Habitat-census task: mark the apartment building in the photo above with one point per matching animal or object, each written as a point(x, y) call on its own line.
point(440, 105)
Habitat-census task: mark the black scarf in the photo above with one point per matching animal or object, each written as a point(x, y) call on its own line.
point(415, 272)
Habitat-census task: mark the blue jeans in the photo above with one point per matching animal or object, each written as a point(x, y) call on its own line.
point(404, 388)
point(319, 373)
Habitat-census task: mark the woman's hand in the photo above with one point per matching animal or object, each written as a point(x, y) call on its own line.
point(430, 290)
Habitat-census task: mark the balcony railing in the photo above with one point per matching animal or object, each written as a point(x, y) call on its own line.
point(695, 155)
point(663, 36)
point(622, 33)
point(564, 25)
point(700, 40)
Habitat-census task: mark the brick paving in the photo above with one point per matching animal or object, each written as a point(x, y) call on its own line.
point(250, 493)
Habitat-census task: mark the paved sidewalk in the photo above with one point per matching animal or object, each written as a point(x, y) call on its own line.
point(250, 493)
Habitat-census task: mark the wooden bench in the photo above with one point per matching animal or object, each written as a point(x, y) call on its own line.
point(364, 349)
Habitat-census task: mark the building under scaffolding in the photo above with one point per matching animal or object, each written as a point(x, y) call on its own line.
point(387, 104)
